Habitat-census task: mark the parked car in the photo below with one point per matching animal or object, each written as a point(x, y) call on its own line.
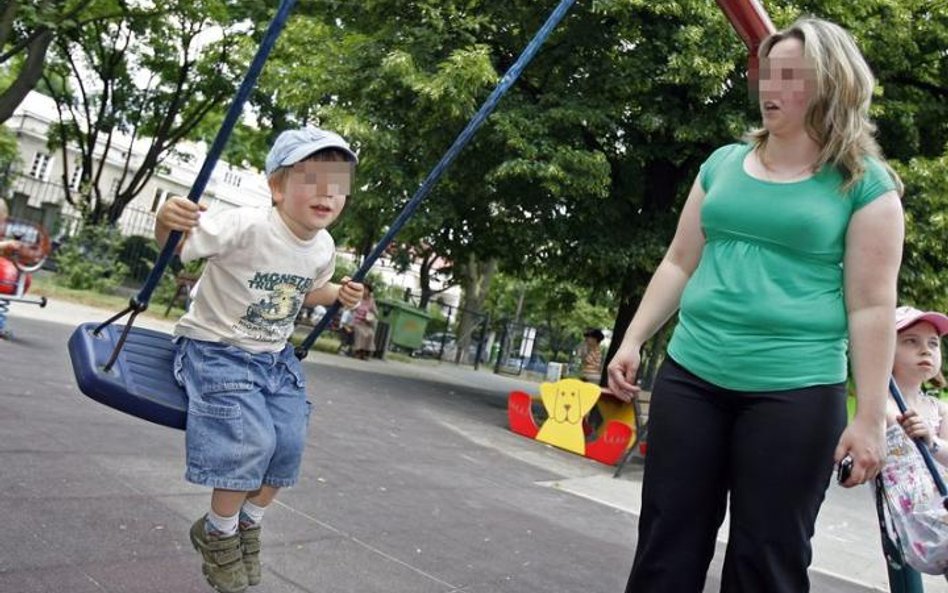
point(537, 363)
point(431, 345)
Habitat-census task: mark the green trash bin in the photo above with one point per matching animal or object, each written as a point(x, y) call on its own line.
point(406, 323)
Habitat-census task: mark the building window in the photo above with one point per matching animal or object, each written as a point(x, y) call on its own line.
point(42, 166)
point(75, 179)
point(160, 196)
point(232, 178)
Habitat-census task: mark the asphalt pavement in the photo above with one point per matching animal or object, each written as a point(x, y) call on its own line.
point(411, 483)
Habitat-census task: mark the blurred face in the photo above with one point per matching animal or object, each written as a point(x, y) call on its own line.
point(786, 85)
point(917, 353)
point(312, 194)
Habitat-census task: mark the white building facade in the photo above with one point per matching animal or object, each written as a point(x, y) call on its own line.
point(37, 188)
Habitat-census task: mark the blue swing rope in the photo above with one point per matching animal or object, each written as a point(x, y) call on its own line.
point(922, 448)
point(139, 303)
point(459, 143)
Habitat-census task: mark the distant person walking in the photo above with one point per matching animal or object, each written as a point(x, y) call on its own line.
point(364, 321)
point(590, 356)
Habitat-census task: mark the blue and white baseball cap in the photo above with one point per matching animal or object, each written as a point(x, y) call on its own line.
point(292, 146)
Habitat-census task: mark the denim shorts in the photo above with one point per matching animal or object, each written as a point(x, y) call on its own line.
point(247, 415)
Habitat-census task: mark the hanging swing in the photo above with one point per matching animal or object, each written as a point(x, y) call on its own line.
point(130, 369)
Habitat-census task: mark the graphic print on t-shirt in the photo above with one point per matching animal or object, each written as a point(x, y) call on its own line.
point(271, 317)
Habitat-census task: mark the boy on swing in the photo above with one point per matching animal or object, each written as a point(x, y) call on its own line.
point(247, 408)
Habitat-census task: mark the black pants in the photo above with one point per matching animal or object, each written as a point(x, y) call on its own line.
point(771, 452)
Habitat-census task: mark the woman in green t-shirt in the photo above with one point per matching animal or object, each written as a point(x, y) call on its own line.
point(785, 256)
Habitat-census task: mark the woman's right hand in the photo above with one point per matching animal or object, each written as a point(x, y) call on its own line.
point(622, 370)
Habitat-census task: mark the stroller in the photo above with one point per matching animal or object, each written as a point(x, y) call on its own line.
point(912, 509)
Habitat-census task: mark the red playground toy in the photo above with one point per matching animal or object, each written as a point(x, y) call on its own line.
point(16, 267)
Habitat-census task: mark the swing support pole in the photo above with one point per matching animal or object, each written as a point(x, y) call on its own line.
point(749, 19)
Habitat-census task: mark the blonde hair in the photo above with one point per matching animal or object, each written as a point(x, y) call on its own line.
point(837, 118)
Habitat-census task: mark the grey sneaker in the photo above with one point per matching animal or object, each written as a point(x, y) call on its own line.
point(250, 546)
point(223, 566)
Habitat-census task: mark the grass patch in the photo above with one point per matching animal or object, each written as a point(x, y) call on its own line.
point(44, 285)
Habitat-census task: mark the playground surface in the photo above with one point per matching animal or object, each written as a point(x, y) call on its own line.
point(411, 483)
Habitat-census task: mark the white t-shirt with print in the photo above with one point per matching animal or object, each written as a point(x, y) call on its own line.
point(255, 279)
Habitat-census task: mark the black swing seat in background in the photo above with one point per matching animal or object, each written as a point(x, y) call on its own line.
point(140, 383)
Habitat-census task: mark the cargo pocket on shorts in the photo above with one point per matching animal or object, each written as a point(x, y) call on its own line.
point(215, 437)
point(215, 424)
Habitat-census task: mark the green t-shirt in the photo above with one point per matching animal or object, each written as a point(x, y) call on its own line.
point(764, 310)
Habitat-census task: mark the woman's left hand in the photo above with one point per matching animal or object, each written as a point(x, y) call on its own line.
point(864, 442)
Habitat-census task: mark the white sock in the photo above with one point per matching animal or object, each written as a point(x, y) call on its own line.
point(224, 525)
point(252, 511)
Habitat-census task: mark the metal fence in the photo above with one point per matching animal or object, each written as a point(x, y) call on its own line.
point(44, 202)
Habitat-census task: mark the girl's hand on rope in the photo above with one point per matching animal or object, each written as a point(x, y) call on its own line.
point(864, 442)
point(622, 370)
point(915, 427)
point(180, 214)
point(350, 293)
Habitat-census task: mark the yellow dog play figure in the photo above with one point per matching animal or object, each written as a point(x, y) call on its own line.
point(566, 402)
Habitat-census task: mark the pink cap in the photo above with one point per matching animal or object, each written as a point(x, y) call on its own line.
point(906, 316)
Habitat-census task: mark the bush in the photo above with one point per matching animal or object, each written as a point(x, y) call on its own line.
point(168, 287)
point(138, 253)
point(90, 260)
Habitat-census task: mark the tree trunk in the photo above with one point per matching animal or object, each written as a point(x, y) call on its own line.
point(632, 287)
point(424, 278)
point(27, 77)
point(477, 278)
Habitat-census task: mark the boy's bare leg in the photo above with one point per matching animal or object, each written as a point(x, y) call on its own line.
point(264, 496)
point(227, 503)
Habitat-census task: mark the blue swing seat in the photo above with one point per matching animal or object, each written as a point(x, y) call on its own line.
point(140, 383)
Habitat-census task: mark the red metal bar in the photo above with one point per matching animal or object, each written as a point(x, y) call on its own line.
point(749, 19)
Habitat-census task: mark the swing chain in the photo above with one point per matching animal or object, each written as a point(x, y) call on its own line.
point(134, 307)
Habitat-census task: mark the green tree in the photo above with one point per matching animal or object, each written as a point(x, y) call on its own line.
point(922, 279)
point(581, 172)
point(152, 76)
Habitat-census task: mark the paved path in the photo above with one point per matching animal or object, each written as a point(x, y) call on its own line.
point(411, 483)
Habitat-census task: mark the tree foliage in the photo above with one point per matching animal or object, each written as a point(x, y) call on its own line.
point(580, 173)
point(922, 277)
point(152, 75)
